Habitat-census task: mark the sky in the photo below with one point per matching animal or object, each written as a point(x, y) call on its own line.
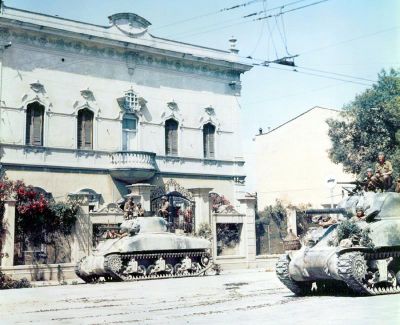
point(356, 38)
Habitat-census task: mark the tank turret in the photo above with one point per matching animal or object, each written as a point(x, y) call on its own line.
point(361, 253)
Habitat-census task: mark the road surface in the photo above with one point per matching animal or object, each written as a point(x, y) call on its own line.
point(239, 297)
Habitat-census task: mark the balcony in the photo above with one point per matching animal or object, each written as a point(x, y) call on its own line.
point(128, 166)
point(132, 166)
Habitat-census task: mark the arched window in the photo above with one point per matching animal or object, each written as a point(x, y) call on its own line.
point(129, 132)
point(85, 129)
point(171, 137)
point(209, 140)
point(34, 124)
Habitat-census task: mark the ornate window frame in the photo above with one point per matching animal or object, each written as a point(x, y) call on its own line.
point(37, 93)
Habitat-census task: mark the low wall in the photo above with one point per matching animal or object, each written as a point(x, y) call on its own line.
point(42, 272)
point(267, 262)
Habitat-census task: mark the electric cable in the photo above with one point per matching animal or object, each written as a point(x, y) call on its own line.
point(290, 10)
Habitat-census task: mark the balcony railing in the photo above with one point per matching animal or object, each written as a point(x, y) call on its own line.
point(133, 166)
point(133, 159)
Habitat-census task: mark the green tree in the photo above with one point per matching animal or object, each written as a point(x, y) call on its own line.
point(367, 125)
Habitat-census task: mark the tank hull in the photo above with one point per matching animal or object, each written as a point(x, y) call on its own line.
point(147, 255)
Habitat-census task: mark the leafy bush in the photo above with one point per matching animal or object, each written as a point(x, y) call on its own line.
point(205, 231)
point(7, 282)
point(349, 229)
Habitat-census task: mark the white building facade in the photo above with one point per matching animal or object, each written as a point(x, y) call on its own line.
point(105, 106)
point(89, 109)
point(293, 163)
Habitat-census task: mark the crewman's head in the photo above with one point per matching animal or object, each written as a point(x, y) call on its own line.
point(359, 212)
point(381, 156)
point(370, 172)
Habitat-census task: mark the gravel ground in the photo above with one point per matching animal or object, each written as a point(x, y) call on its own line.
point(239, 297)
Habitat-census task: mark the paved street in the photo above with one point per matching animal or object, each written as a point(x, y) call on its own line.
point(240, 297)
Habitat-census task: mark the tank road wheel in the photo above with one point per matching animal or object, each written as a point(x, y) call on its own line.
point(205, 259)
point(178, 269)
point(150, 270)
point(196, 267)
point(141, 270)
point(169, 269)
point(282, 272)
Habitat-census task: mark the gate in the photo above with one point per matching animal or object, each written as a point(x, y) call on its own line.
point(181, 209)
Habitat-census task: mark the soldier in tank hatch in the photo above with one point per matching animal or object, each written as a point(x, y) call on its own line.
point(368, 183)
point(164, 210)
point(129, 209)
point(360, 214)
point(140, 210)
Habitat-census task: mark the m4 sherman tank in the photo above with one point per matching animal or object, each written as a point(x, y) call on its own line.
point(147, 251)
point(367, 263)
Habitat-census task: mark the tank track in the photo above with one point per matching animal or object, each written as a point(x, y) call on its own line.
point(167, 256)
point(352, 268)
point(282, 272)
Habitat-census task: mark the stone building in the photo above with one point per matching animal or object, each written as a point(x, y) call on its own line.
point(293, 163)
point(88, 109)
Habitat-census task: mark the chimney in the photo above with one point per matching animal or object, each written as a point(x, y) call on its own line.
point(233, 48)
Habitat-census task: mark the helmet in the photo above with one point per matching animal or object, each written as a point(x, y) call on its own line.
point(359, 209)
point(370, 170)
point(164, 198)
point(381, 153)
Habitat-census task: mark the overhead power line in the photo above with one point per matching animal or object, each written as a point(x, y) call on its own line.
point(208, 14)
point(271, 9)
point(318, 75)
point(290, 10)
point(351, 40)
point(337, 74)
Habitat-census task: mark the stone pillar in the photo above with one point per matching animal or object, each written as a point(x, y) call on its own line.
point(202, 211)
point(7, 250)
point(144, 191)
point(248, 204)
point(239, 191)
point(83, 231)
point(292, 221)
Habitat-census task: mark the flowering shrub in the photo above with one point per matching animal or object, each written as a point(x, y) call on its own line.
point(38, 219)
point(217, 201)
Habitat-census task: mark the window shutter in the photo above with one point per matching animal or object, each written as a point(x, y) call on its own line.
point(171, 137)
point(208, 140)
point(174, 141)
point(88, 131)
point(211, 141)
point(167, 140)
point(80, 130)
point(205, 142)
point(85, 129)
point(37, 126)
point(34, 124)
point(28, 134)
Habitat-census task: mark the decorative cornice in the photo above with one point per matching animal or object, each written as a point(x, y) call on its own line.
point(132, 59)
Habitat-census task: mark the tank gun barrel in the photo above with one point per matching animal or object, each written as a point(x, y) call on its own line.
point(351, 183)
point(326, 211)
